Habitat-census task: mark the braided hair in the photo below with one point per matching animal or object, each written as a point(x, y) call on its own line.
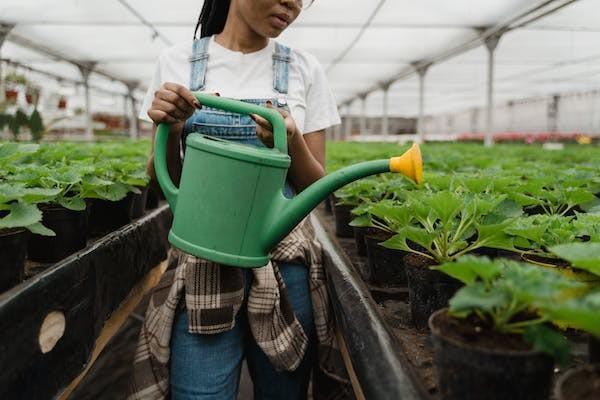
point(212, 17)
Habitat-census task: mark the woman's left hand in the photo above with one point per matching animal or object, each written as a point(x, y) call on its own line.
point(264, 130)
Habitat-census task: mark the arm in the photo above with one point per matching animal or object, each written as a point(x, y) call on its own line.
point(308, 158)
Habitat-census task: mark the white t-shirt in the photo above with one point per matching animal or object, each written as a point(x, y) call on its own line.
point(249, 76)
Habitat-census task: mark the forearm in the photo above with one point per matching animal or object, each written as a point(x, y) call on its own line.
point(174, 163)
point(305, 168)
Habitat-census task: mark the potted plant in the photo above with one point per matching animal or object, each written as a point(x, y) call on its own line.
point(385, 266)
point(582, 383)
point(582, 313)
point(441, 227)
point(19, 216)
point(13, 81)
point(496, 337)
point(62, 103)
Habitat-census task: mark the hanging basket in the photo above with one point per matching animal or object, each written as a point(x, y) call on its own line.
point(11, 95)
point(62, 103)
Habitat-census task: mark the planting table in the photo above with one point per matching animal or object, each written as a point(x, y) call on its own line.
point(53, 325)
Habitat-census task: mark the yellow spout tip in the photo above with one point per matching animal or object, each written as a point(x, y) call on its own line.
point(409, 164)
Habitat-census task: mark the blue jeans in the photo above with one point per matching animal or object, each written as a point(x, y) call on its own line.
point(207, 367)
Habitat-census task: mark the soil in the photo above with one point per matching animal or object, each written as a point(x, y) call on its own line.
point(583, 384)
point(474, 332)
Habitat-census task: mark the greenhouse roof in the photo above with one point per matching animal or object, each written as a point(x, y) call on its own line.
point(549, 46)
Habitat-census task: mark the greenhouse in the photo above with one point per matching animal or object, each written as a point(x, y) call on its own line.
point(311, 199)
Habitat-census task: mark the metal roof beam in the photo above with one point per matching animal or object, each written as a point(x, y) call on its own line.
point(540, 10)
point(58, 78)
point(55, 55)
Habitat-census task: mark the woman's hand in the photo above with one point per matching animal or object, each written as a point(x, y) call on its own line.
point(264, 130)
point(172, 104)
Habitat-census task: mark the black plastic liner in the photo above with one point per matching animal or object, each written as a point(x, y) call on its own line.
point(87, 287)
point(377, 360)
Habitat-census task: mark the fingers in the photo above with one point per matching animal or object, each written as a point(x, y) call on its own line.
point(159, 116)
point(261, 122)
point(265, 136)
point(175, 100)
point(173, 103)
point(182, 92)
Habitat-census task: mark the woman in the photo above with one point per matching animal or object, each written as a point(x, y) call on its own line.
point(204, 319)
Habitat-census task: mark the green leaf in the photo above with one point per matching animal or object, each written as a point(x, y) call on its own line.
point(446, 205)
point(547, 340)
point(397, 242)
point(469, 269)
point(40, 229)
point(476, 296)
point(362, 221)
point(21, 215)
point(584, 256)
point(72, 203)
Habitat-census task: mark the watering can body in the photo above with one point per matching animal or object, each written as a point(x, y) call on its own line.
point(230, 206)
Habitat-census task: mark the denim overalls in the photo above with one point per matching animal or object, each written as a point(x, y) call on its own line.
point(207, 367)
point(232, 126)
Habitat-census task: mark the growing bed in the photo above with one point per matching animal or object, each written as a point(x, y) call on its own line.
point(509, 240)
point(80, 244)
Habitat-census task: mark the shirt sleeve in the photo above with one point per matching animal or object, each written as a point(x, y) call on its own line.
point(321, 107)
point(155, 84)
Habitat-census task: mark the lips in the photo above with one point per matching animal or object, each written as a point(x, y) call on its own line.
point(281, 21)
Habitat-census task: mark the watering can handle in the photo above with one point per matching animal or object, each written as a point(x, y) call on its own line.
point(209, 100)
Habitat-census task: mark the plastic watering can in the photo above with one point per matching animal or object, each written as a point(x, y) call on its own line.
point(230, 207)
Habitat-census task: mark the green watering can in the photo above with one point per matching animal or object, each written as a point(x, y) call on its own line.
point(230, 206)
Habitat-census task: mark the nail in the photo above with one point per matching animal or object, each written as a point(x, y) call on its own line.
point(218, 94)
point(197, 105)
point(269, 102)
point(253, 117)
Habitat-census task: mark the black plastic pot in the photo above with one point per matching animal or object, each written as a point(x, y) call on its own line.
point(139, 202)
point(579, 384)
point(107, 216)
point(594, 349)
point(13, 251)
point(152, 199)
point(467, 371)
point(428, 290)
point(386, 266)
point(359, 238)
point(342, 216)
point(71, 234)
point(328, 201)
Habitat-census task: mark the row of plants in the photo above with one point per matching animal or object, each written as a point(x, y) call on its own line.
point(53, 197)
point(533, 215)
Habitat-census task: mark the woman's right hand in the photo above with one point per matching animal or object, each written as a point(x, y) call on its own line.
point(172, 104)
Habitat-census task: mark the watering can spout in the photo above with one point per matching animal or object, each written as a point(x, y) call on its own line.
point(292, 211)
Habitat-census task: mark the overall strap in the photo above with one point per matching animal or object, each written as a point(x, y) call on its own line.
point(281, 68)
point(199, 61)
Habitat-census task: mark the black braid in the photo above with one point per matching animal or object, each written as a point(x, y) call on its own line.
point(212, 17)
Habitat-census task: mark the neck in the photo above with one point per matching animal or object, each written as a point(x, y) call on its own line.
point(238, 36)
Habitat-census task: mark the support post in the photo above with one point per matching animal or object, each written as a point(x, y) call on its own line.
point(553, 107)
point(491, 44)
point(421, 71)
point(348, 122)
point(363, 115)
point(4, 31)
point(385, 120)
point(86, 69)
point(133, 118)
